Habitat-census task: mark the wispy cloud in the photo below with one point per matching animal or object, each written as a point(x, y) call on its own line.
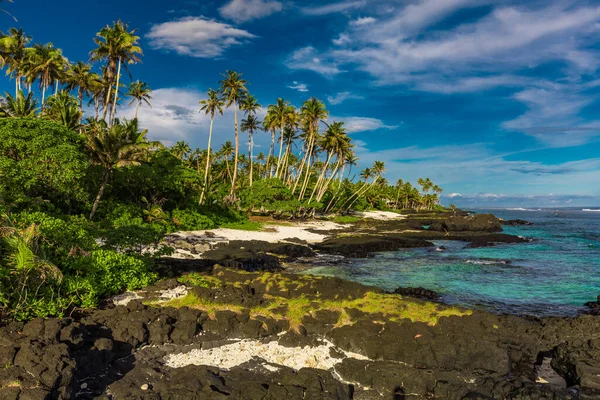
point(552, 116)
point(301, 87)
point(334, 8)
point(196, 37)
point(246, 10)
point(362, 124)
point(339, 98)
point(363, 21)
point(307, 58)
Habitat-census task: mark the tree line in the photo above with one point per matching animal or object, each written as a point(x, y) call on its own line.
point(310, 158)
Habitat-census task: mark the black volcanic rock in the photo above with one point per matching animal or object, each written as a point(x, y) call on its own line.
point(593, 307)
point(418, 292)
point(364, 246)
point(515, 222)
point(474, 223)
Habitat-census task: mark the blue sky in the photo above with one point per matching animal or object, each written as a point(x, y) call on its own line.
point(496, 101)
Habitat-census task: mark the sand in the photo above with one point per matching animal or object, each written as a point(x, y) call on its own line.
point(379, 215)
point(272, 233)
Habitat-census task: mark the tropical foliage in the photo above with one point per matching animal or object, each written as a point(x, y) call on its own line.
point(85, 195)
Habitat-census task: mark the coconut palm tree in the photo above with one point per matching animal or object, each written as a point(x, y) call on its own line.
point(227, 150)
point(13, 53)
point(18, 107)
point(139, 92)
point(251, 124)
point(313, 112)
point(181, 150)
point(233, 88)
point(211, 106)
point(117, 46)
point(63, 108)
point(81, 78)
point(47, 64)
point(281, 114)
point(119, 145)
point(270, 125)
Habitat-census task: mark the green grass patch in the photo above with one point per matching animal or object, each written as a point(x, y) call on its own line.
point(345, 219)
point(244, 226)
point(378, 307)
point(199, 280)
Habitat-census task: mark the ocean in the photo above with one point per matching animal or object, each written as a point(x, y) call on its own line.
point(553, 275)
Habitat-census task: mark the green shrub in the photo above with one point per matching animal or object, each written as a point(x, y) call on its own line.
point(42, 165)
point(345, 219)
point(244, 225)
point(190, 220)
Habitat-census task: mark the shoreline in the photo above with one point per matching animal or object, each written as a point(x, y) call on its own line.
point(230, 320)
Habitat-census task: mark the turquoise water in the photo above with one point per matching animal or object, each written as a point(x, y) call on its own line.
point(555, 274)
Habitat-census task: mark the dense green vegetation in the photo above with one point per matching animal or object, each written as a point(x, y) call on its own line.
point(84, 198)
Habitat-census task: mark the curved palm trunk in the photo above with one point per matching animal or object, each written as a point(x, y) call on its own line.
point(100, 192)
point(308, 173)
point(331, 202)
point(365, 191)
point(114, 106)
point(328, 182)
point(280, 150)
point(207, 162)
point(237, 150)
point(321, 176)
point(56, 86)
point(302, 164)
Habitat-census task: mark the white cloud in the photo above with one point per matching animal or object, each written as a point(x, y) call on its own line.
point(334, 8)
point(246, 10)
point(301, 87)
point(341, 97)
point(307, 58)
point(440, 84)
point(363, 21)
point(362, 124)
point(552, 116)
point(343, 39)
point(453, 195)
point(196, 37)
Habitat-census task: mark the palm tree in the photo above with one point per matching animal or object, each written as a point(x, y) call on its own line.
point(270, 125)
point(47, 63)
point(18, 107)
point(227, 151)
point(64, 109)
point(117, 46)
point(181, 150)
point(282, 114)
point(81, 78)
point(250, 106)
point(250, 125)
point(139, 91)
point(14, 52)
point(121, 144)
point(233, 89)
point(334, 143)
point(313, 112)
point(211, 106)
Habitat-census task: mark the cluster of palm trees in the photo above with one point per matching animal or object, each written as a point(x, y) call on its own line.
point(410, 197)
point(309, 155)
point(116, 48)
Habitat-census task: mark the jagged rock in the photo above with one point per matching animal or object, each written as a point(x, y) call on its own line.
point(474, 223)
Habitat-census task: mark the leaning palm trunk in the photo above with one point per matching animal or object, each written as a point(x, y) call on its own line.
point(137, 108)
point(114, 106)
point(280, 153)
point(302, 164)
point(308, 173)
point(368, 187)
point(43, 96)
point(100, 192)
point(340, 178)
point(207, 163)
point(328, 182)
point(237, 150)
point(321, 176)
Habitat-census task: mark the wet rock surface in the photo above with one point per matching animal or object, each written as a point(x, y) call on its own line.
point(119, 352)
point(419, 292)
point(515, 222)
point(474, 223)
